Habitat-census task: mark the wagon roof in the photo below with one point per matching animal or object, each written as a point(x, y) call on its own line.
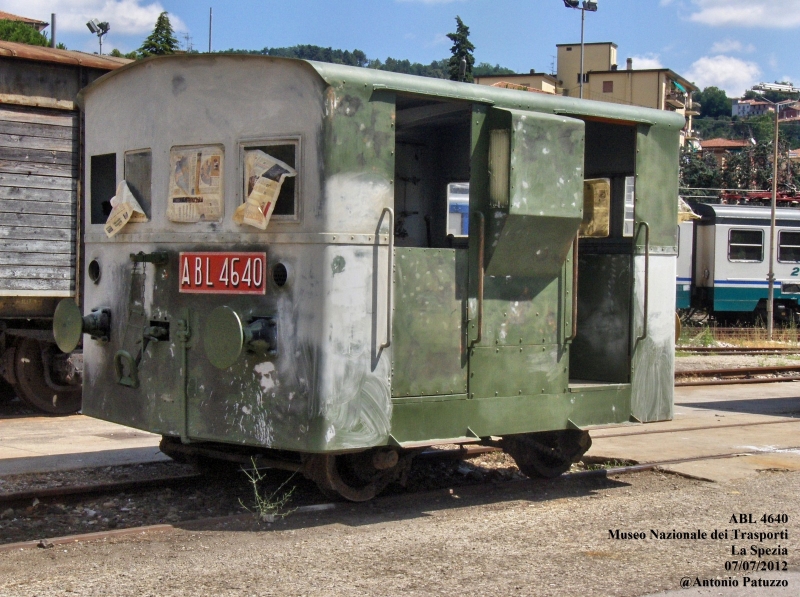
point(10, 49)
point(711, 212)
point(337, 74)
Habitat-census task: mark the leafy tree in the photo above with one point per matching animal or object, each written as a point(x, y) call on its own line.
point(485, 69)
point(714, 102)
point(22, 33)
point(117, 54)
point(161, 41)
point(462, 49)
point(699, 172)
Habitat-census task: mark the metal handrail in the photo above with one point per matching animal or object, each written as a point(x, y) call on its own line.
point(646, 276)
point(390, 282)
point(481, 252)
point(574, 290)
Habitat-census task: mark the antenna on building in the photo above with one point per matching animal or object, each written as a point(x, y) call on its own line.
point(210, 17)
point(552, 64)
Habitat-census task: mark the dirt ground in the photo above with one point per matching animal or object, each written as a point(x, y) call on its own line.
point(514, 538)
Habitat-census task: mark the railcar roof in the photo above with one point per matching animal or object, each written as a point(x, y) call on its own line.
point(712, 212)
point(337, 74)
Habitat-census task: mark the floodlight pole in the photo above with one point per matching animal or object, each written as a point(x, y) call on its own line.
point(771, 275)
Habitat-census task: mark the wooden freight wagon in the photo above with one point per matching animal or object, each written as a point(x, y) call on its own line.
point(40, 190)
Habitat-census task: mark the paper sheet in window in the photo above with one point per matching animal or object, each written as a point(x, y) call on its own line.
point(125, 209)
point(195, 185)
point(264, 176)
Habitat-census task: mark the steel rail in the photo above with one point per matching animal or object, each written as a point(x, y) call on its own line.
point(732, 350)
point(738, 371)
point(103, 535)
point(109, 487)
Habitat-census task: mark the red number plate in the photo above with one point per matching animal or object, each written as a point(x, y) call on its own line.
point(223, 273)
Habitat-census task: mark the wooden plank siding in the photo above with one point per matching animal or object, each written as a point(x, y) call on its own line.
point(39, 172)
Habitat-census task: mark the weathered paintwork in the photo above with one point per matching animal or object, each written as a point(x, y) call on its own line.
point(337, 382)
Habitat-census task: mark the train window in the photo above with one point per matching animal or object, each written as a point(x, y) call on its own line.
point(195, 183)
point(746, 245)
point(458, 208)
point(627, 227)
point(788, 246)
point(279, 155)
point(103, 185)
point(138, 174)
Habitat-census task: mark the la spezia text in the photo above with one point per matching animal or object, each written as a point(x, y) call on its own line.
point(750, 550)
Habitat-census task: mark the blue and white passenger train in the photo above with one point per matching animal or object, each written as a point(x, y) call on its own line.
point(723, 262)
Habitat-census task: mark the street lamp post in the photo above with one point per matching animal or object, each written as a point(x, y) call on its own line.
point(591, 6)
point(774, 202)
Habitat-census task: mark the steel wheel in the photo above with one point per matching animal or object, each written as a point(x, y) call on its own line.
point(38, 387)
point(356, 477)
point(547, 454)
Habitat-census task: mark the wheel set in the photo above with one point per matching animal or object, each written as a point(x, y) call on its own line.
point(36, 372)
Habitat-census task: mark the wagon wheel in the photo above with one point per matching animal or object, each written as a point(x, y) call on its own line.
point(547, 454)
point(38, 386)
point(356, 477)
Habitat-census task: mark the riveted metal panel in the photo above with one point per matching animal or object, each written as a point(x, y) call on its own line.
point(533, 237)
point(521, 311)
point(517, 370)
point(425, 420)
point(430, 301)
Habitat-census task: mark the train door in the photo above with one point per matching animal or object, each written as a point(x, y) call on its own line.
point(432, 149)
point(525, 199)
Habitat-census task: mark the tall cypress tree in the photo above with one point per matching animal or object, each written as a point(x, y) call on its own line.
point(161, 41)
point(462, 48)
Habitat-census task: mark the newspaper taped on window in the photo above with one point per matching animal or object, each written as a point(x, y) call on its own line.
point(124, 209)
point(195, 184)
point(264, 176)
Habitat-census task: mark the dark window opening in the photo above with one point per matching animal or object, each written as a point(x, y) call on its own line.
point(789, 246)
point(746, 245)
point(432, 152)
point(103, 181)
point(608, 86)
point(286, 204)
point(138, 176)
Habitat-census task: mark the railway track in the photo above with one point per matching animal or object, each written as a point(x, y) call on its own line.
point(738, 375)
point(736, 350)
point(384, 501)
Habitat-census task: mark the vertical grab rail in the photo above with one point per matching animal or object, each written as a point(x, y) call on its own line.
point(390, 281)
point(646, 276)
point(574, 290)
point(481, 252)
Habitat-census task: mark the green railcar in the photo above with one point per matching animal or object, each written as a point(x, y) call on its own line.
point(335, 267)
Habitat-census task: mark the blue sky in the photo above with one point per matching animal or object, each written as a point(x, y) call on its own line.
point(728, 43)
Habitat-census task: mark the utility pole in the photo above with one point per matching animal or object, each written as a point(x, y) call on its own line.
point(210, 17)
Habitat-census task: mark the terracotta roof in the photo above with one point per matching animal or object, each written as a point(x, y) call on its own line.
point(12, 49)
point(7, 16)
point(723, 143)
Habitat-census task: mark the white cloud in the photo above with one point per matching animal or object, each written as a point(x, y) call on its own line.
point(731, 45)
point(126, 17)
point(747, 13)
point(726, 72)
point(644, 61)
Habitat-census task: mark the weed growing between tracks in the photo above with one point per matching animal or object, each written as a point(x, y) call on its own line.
point(268, 507)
